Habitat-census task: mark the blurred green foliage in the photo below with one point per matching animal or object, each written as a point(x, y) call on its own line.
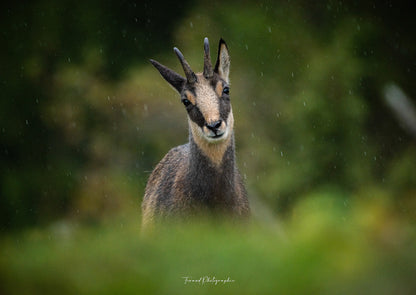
point(84, 118)
point(62, 119)
point(327, 249)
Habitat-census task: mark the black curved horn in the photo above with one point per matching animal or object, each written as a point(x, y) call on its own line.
point(190, 75)
point(208, 72)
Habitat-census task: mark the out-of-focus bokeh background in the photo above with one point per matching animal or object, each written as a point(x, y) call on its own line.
point(325, 107)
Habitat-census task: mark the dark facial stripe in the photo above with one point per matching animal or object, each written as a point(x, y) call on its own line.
point(225, 108)
point(224, 102)
point(196, 116)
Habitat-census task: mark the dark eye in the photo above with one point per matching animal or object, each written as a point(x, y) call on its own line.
point(186, 102)
point(226, 90)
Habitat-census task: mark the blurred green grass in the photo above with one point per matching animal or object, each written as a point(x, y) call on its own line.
point(326, 248)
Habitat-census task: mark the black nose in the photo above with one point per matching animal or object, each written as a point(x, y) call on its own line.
point(214, 126)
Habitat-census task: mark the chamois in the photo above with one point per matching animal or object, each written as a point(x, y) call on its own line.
point(200, 176)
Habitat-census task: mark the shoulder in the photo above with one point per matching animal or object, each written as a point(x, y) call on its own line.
point(176, 154)
point(175, 157)
point(166, 170)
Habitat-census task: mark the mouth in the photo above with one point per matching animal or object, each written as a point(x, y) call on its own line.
point(215, 136)
point(219, 134)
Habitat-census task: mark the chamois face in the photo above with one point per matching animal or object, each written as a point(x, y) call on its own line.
point(209, 108)
point(206, 95)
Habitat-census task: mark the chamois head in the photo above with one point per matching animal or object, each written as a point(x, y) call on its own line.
point(206, 95)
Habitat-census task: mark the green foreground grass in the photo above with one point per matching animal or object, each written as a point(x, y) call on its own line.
point(325, 249)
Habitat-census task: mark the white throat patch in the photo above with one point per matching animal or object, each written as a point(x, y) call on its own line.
point(213, 148)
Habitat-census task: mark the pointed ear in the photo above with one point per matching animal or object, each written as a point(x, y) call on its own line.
point(222, 67)
point(173, 78)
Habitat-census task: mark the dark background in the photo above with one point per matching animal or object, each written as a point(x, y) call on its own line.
point(84, 118)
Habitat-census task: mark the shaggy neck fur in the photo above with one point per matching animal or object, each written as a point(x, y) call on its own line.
point(212, 183)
